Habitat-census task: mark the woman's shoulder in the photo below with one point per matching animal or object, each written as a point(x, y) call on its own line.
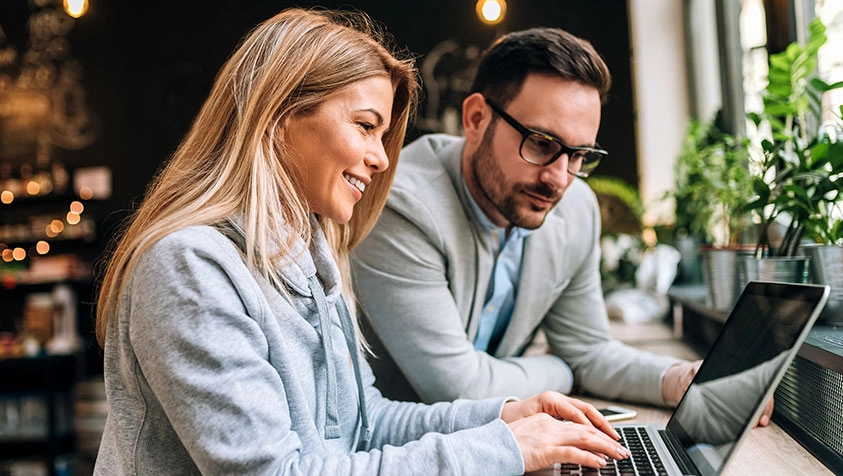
point(190, 242)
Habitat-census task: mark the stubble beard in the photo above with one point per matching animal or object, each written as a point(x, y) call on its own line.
point(502, 193)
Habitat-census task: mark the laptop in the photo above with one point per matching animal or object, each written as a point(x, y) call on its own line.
point(729, 392)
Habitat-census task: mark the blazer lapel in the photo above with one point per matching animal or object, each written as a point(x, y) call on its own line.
point(542, 277)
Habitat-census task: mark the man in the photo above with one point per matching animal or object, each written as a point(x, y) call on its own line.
point(487, 238)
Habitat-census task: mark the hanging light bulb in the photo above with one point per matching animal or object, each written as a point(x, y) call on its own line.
point(75, 8)
point(491, 11)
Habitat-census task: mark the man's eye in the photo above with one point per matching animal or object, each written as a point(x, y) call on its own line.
point(578, 155)
point(541, 145)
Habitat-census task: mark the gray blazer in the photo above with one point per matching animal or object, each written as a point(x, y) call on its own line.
point(422, 274)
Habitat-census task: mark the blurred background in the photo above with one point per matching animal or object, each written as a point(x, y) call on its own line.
point(96, 94)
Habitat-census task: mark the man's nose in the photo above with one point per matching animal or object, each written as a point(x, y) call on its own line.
point(556, 174)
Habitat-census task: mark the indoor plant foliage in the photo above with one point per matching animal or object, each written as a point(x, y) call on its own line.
point(712, 185)
point(621, 242)
point(797, 173)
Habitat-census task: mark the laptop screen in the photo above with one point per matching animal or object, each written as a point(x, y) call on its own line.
point(741, 368)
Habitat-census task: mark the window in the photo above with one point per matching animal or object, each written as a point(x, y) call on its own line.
point(831, 63)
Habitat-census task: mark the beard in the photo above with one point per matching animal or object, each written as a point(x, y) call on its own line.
point(506, 195)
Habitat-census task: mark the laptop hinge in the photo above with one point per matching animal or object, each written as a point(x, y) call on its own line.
point(679, 457)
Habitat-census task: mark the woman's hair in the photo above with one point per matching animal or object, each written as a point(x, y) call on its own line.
point(234, 162)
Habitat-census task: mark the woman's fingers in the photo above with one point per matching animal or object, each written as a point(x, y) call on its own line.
point(545, 440)
point(596, 418)
point(562, 406)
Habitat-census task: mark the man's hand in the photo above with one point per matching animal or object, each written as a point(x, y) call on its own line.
point(586, 438)
point(676, 380)
point(764, 419)
point(678, 377)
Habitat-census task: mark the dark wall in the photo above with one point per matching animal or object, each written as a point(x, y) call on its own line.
point(148, 70)
point(148, 65)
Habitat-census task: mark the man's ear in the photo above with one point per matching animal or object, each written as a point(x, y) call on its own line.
point(476, 115)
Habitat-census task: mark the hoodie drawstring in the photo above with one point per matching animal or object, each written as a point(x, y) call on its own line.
point(350, 340)
point(332, 426)
point(332, 423)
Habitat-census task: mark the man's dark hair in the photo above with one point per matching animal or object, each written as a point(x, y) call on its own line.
point(508, 61)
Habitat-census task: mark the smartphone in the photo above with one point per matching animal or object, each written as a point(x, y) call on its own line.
point(615, 413)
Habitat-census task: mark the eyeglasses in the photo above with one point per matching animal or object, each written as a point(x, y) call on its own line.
point(538, 148)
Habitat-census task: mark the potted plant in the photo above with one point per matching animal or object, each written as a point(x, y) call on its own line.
point(826, 249)
point(712, 187)
point(798, 169)
point(796, 176)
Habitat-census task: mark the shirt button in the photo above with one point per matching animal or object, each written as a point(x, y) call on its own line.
point(490, 308)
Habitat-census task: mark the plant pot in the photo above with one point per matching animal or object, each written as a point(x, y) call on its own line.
point(827, 268)
point(690, 262)
point(783, 269)
point(720, 276)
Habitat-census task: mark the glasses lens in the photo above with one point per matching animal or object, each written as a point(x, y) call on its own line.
point(539, 149)
point(589, 161)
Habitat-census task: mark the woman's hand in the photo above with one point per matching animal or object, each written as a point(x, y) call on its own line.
point(586, 438)
point(560, 406)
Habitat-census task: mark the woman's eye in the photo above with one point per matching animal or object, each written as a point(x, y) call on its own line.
point(367, 126)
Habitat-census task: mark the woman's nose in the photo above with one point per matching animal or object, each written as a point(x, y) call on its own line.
point(376, 159)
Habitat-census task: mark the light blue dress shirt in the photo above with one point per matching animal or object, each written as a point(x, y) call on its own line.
point(503, 284)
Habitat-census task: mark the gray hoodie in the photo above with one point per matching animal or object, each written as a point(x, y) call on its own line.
point(211, 370)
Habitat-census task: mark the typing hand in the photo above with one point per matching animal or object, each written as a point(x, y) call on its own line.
point(584, 439)
point(560, 406)
point(676, 380)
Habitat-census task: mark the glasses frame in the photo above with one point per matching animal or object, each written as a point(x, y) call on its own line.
point(564, 148)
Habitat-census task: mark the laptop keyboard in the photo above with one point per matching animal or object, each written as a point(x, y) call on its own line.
point(644, 460)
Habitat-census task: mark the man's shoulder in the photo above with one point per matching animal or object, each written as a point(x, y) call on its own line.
point(428, 190)
point(427, 161)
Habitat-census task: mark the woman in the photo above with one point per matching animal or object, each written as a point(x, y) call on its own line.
point(229, 348)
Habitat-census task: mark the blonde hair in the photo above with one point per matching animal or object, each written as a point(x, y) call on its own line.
point(233, 161)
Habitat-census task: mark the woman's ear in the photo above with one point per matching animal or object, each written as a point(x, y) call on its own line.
point(476, 115)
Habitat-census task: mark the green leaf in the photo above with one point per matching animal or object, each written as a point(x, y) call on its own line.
point(816, 27)
point(824, 187)
point(761, 188)
point(779, 62)
point(792, 52)
point(777, 76)
point(835, 156)
point(833, 86)
point(820, 150)
point(780, 110)
point(783, 90)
